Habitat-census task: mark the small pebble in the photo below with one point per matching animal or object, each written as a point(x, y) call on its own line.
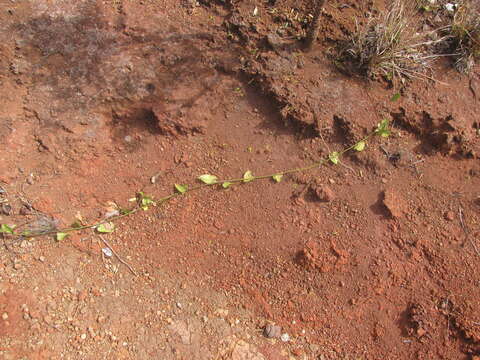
point(450, 7)
point(107, 252)
point(5, 316)
point(285, 337)
point(449, 215)
point(272, 331)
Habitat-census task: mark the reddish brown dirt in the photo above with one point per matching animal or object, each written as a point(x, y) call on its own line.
point(376, 259)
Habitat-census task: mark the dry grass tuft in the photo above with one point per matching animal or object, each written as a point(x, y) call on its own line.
point(464, 35)
point(387, 46)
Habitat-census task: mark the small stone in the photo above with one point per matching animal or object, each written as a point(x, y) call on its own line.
point(41, 258)
point(91, 331)
point(449, 215)
point(394, 203)
point(6, 209)
point(223, 313)
point(285, 337)
point(5, 316)
point(83, 336)
point(421, 332)
point(107, 252)
point(25, 211)
point(297, 352)
point(82, 295)
point(323, 192)
point(272, 331)
point(450, 7)
point(17, 266)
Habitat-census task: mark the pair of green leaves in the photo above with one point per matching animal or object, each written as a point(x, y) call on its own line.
point(6, 229)
point(212, 179)
point(382, 128)
point(205, 178)
point(144, 201)
point(334, 156)
point(105, 228)
point(61, 236)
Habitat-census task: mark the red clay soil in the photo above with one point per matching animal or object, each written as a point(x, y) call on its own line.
point(375, 258)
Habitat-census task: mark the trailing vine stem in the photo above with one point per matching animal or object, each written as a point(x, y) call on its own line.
point(144, 201)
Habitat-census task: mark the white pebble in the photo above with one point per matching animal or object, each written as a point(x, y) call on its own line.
point(450, 6)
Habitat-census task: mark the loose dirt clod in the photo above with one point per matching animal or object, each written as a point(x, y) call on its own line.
point(395, 203)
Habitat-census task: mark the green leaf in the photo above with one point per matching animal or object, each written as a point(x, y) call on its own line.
point(61, 235)
point(334, 157)
point(277, 177)
point(385, 133)
point(226, 184)
point(182, 189)
point(208, 179)
point(395, 97)
point(4, 228)
point(360, 146)
point(382, 125)
point(248, 176)
point(382, 128)
point(146, 201)
point(106, 227)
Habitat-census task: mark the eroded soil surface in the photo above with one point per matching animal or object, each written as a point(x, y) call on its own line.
point(377, 258)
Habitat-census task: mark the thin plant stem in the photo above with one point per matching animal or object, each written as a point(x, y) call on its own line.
point(194, 188)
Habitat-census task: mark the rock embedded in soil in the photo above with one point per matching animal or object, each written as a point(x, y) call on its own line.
point(323, 192)
point(245, 351)
point(272, 331)
point(395, 203)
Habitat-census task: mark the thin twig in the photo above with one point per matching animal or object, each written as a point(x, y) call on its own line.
point(465, 229)
point(326, 145)
point(447, 335)
point(118, 256)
